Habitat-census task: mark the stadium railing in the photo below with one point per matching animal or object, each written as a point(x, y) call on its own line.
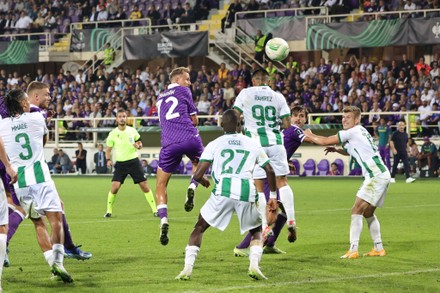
point(94, 125)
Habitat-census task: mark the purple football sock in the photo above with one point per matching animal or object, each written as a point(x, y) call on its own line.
point(14, 222)
point(162, 212)
point(68, 242)
point(246, 241)
point(276, 229)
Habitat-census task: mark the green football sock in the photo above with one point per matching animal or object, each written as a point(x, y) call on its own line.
point(110, 200)
point(150, 199)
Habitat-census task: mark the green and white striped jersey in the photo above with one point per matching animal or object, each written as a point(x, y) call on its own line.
point(23, 139)
point(233, 158)
point(262, 110)
point(358, 143)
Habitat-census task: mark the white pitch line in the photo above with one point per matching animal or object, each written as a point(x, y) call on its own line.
point(266, 284)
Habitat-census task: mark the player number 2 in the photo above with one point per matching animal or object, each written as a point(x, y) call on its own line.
point(263, 114)
point(26, 146)
point(170, 113)
point(229, 155)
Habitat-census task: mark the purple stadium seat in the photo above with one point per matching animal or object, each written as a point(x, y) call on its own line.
point(188, 167)
point(309, 168)
point(154, 164)
point(323, 167)
point(340, 164)
point(297, 165)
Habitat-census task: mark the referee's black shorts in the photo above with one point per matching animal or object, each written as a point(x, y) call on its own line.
point(131, 167)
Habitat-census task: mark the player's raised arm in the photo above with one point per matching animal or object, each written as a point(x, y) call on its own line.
point(195, 119)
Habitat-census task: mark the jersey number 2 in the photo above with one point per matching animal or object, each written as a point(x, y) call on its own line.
point(26, 145)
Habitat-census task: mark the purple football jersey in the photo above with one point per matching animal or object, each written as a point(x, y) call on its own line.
point(293, 138)
point(38, 109)
point(175, 107)
point(3, 109)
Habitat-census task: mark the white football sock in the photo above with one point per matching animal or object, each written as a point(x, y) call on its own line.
point(190, 257)
point(355, 231)
point(58, 254)
point(3, 238)
point(262, 208)
point(374, 227)
point(255, 255)
point(48, 255)
point(287, 199)
point(192, 186)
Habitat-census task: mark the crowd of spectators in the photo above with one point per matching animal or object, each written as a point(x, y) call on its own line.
point(30, 16)
point(324, 88)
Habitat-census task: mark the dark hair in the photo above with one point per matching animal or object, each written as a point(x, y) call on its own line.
point(13, 102)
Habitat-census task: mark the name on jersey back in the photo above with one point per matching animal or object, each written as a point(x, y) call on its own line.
point(20, 126)
point(234, 142)
point(263, 98)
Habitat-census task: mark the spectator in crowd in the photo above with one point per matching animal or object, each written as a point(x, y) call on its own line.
point(399, 146)
point(135, 15)
point(260, 40)
point(227, 21)
point(334, 171)
point(413, 153)
point(63, 164)
point(81, 159)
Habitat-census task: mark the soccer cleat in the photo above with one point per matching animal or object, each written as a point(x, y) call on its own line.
point(59, 270)
point(374, 252)
point(6, 262)
point(272, 250)
point(77, 253)
point(393, 180)
point(107, 215)
point(184, 276)
point(410, 180)
point(256, 274)
point(164, 227)
point(266, 233)
point(351, 255)
point(291, 236)
point(189, 203)
point(241, 252)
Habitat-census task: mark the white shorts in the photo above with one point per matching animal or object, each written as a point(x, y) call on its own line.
point(4, 215)
point(217, 212)
point(374, 190)
point(42, 197)
point(278, 160)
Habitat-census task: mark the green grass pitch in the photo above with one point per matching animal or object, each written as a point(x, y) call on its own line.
point(127, 255)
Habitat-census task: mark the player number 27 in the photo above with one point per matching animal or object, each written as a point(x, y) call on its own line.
point(230, 155)
point(23, 139)
point(170, 113)
point(263, 114)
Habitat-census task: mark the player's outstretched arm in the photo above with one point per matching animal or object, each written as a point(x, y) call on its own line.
point(335, 150)
point(200, 172)
point(321, 140)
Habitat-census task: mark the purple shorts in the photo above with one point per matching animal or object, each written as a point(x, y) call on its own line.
point(171, 156)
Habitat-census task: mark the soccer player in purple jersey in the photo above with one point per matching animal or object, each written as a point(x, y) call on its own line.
point(293, 138)
point(178, 120)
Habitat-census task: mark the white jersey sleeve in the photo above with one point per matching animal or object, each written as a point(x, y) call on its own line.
point(358, 143)
point(23, 138)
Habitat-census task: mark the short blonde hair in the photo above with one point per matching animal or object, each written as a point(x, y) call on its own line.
point(352, 109)
point(36, 85)
point(178, 71)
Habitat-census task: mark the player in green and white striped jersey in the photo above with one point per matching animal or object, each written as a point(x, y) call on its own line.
point(24, 135)
point(264, 110)
point(233, 157)
point(358, 143)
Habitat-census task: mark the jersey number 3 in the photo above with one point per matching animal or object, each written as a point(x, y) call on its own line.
point(170, 113)
point(23, 139)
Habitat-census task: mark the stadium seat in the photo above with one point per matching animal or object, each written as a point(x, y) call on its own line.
point(154, 164)
point(297, 165)
point(340, 165)
point(309, 168)
point(323, 167)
